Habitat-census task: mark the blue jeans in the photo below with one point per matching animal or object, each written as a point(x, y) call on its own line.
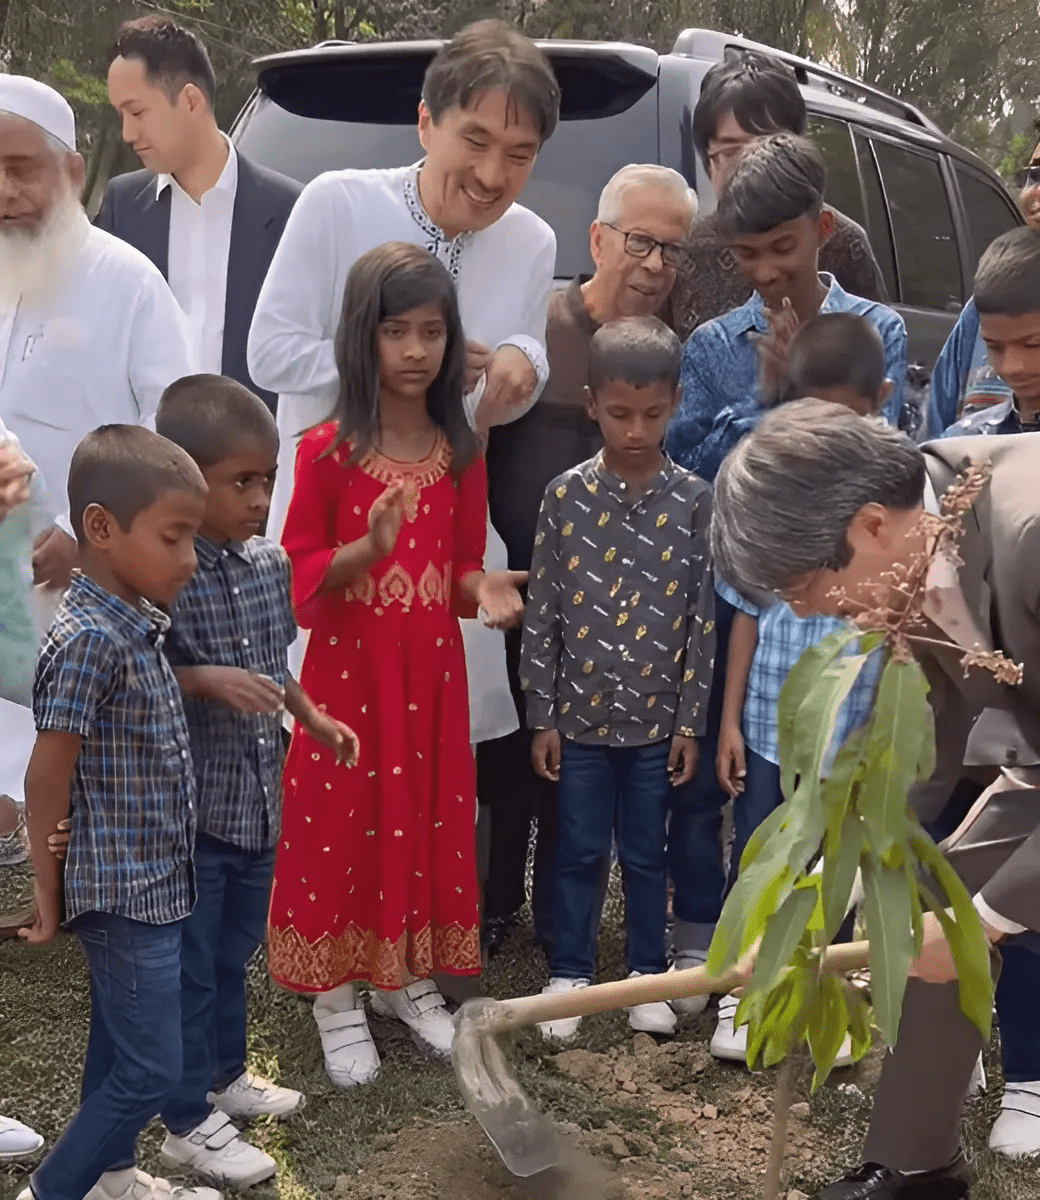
point(610, 791)
point(695, 824)
point(220, 937)
point(133, 1058)
point(762, 793)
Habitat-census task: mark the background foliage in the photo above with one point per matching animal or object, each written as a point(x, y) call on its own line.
point(968, 63)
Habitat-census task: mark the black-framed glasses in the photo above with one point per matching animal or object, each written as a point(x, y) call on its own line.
point(642, 245)
point(1028, 177)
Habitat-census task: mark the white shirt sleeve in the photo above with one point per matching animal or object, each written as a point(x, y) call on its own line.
point(995, 919)
point(160, 348)
point(290, 346)
point(530, 336)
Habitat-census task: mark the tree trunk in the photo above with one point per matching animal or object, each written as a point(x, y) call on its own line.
point(321, 21)
point(5, 6)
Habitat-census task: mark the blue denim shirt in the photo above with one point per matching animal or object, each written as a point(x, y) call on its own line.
point(963, 377)
point(719, 377)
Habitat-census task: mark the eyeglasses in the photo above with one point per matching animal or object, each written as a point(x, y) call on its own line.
point(1029, 177)
point(642, 245)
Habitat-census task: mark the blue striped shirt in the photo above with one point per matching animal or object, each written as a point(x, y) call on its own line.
point(102, 675)
point(236, 612)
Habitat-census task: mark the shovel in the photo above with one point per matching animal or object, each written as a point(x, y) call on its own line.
point(525, 1139)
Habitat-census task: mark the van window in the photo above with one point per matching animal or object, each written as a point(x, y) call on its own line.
point(834, 139)
point(927, 259)
point(989, 212)
point(876, 223)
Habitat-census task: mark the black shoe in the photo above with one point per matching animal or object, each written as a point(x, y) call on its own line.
point(495, 932)
point(872, 1181)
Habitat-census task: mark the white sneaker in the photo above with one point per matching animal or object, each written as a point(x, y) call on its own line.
point(689, 1006)
point(651, 1018)
point(215, 1150)
point(421, 1007)
point(133, 1184)
point(351, 1057)
point(730, 1044)
point(252, 1096)
point(17, 1140)
point(564, 1029)
point(977, 1083)
point(1016, 1132)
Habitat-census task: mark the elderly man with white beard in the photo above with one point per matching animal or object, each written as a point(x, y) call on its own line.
point(90, 334)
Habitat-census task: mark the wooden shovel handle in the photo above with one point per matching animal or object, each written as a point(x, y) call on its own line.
point(646, 989)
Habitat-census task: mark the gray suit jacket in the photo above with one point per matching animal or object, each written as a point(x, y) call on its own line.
point(1000, 581)
point(132, 211)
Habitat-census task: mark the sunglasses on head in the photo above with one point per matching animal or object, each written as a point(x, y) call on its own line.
point(1029, 177)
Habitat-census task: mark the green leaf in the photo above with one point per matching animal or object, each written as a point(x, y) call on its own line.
point(840, 863)
point(887, 909)
point(827, 1027)
point(783, 933)
point(755, 896)
point(859, 1020)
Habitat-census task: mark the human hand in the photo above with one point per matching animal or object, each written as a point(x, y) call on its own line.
point(478, 359)
point(510, 381)
point(935, 962)
point(16, 471)
point(54, 556)
point(772, 350)
point(683, 757)
point(498, 596)
point(730, 764)
point(337, 736)
point(57, 842)
point(235, 688)
point(545, 754)
point(385, 517)
point(45, 918)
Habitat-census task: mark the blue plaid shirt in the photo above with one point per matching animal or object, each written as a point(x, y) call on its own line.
point(236, 612)
point(782, 639)
point(719, 402)
point(102, 675)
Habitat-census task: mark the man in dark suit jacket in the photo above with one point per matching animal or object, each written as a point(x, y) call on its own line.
point(207, 217)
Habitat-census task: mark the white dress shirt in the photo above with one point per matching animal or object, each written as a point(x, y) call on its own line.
point(200, 240)
point(503, 275)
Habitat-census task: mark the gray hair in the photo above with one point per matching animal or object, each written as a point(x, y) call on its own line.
point(784, 497)
point(648, 175)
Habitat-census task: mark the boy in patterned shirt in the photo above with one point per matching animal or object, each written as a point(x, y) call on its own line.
point(232, 627)
point(617, 654)
point(112, 753)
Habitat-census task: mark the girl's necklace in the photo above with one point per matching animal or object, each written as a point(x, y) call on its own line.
point(420, 458)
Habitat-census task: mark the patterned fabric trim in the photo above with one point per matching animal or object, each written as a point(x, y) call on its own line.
point(358, 954)
point(433, 589)
point(421, 474)
point(437, 241)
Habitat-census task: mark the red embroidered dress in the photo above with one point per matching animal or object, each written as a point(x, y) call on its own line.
point(375, 874)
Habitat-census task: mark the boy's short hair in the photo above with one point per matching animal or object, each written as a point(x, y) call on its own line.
point(126, 468)
point(492, 54)
point(635, 350)
point(777, 178)
point(836, 349)
point(172, 56)
point(209, 416)
point(1007, 282)
point(760, 91)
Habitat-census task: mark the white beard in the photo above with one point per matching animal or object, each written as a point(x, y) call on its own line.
point(34, 265)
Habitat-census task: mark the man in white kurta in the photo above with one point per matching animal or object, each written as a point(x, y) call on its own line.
point(90, 334)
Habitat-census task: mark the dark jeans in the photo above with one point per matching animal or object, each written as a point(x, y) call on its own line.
point(610, 792)
point(695, 824)
point(220, 937)
point(762, 793)
point(133, 1058)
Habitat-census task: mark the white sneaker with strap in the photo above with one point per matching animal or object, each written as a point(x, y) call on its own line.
point(17, 1140)
point(730, 1044)
point(421, 1007)
point(656, 1018)
point(133, 1184)
point(564, 1028)
point(215, 1150)
point(351, 1057)
point(253, 1096)
point(1016, 1132)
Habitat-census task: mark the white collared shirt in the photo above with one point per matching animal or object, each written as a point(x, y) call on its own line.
point(200, 240)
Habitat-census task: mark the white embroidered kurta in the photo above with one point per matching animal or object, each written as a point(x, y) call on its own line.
point(503, 275)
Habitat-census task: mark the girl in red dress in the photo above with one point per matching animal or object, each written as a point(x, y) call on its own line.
point(375, 876)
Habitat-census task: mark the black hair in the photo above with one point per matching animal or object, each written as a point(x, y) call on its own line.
point(635, 350)
point(210, 416)
point(172, 56)
point(1007, 281)
point(386, 282)
point(778, 178)
point(491, 54)
point(126, 468)
point(760, 91)
point(836, 349)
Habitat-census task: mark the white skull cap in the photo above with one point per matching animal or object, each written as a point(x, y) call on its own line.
point(36, 102)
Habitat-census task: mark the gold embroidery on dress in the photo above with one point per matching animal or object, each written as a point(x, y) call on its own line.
point(397, 585)
point(431, 586)
point(364, 590)
point(415, 475)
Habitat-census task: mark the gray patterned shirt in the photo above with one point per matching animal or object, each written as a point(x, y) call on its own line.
point(619, 638)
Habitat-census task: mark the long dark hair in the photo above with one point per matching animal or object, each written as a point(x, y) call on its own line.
point(390, 280)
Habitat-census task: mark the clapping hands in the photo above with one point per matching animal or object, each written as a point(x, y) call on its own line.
point(499, 598)
point(385, 517)
point(15, 473)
